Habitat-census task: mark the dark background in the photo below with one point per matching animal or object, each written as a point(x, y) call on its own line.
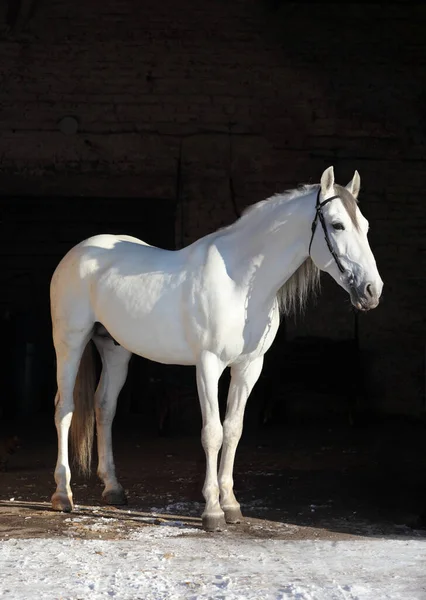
point(186, 112)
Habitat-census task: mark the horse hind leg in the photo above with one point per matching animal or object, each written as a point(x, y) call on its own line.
point(69, 348)
point(115, 361)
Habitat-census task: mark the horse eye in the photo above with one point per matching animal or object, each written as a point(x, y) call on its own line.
point(338, 226)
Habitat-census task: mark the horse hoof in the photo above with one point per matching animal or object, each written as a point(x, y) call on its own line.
point(233, 515)
point(115, 498)
point(214, 522)
point(62, 502)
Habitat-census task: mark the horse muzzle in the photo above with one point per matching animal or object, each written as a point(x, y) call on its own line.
point(366, 297)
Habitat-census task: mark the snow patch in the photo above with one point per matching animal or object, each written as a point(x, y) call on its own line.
point(173, 561)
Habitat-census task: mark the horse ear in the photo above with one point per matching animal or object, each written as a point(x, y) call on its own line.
point(327, 181)
point(354, 186)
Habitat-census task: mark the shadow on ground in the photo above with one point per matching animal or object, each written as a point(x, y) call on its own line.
point(296, 482)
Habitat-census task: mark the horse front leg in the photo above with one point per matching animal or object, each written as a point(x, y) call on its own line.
point(243, 379)
point(209, 369)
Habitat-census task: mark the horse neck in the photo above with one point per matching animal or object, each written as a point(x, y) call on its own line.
point(266, 247)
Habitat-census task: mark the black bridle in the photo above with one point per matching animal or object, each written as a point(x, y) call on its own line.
point(319, 215)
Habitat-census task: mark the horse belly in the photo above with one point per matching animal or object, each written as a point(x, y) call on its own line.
point(151, 329)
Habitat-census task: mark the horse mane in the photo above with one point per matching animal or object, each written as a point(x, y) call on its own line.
point(276, 199)
point(294, 294)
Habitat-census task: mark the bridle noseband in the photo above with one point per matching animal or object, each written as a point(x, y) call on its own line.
point(319, 215)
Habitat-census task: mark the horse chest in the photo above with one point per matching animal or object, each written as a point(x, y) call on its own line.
point(244, 336)
point(258, 334)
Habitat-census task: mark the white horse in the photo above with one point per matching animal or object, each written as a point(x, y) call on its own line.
point(213, 304)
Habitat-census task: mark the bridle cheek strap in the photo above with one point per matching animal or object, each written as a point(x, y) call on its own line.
point(319, 215)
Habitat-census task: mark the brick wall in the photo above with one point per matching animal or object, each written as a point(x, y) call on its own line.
point(265, 93)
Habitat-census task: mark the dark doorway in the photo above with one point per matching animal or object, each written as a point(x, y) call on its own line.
point(36, 233)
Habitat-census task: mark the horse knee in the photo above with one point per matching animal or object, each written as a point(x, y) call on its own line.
point(232, 431)
point(212, 437)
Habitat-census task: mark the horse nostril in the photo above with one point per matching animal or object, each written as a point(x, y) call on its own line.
point(369, 290)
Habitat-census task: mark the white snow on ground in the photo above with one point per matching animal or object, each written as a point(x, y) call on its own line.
point(174, 562)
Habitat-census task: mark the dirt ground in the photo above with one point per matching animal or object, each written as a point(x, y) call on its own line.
point(296, 482)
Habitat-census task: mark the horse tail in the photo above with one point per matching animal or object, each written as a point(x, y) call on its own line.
point(83, 421)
